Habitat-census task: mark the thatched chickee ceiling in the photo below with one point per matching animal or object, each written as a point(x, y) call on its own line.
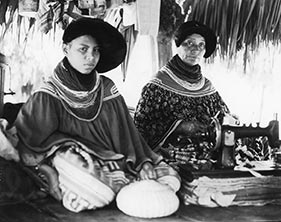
point(237, 23)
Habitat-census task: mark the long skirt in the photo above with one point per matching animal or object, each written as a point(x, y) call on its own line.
point(83, 181)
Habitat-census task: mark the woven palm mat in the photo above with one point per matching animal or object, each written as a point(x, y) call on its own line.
point(246, 190)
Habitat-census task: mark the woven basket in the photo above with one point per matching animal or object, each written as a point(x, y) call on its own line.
point(147, 199)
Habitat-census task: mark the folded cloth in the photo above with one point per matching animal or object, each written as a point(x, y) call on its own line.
point(199, 193)
point(232, 191)
point(129, 14)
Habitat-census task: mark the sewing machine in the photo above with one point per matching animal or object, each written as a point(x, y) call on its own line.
point(224, 136)
point(248, 185)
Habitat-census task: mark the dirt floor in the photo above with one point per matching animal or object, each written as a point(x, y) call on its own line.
point(49, 210)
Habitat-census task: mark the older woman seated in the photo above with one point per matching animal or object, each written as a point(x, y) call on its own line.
point(180, 101)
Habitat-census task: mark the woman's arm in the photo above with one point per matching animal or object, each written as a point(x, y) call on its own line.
point(36, 121)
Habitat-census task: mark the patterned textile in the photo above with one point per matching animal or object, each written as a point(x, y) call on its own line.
point(162, 105)
point(84, 181)
point(48, 13)
point(191, 74)
point(99, 139)
point(107, 135)
point(252, 149)
point(45, 16)
point(77, 100)
point(168, 99)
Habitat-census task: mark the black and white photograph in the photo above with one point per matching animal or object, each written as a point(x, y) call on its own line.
point(140, 110)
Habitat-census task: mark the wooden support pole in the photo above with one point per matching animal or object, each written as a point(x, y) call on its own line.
point(3, 65)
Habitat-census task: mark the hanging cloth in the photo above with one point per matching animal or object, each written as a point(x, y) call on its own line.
point(45, 16)
point(148, 17)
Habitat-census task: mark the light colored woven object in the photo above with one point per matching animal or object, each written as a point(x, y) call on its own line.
point(80, 189)
point(147, 199)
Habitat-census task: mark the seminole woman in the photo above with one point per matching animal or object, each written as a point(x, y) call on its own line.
point(179, 101)
point(76, 132)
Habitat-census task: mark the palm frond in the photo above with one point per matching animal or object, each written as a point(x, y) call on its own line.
point(238, 23)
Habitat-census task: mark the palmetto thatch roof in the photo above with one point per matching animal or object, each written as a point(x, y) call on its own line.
point(238, 23)
point(244, 28)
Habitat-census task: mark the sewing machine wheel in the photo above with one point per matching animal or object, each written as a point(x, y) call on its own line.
point(216, 132)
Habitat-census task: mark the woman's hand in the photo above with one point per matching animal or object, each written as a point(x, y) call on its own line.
point(147, 172)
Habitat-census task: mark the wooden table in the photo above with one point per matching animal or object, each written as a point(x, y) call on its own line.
point(49, 210)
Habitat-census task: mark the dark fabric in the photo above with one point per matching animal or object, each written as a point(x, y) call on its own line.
point(86, 81)
point(184, 71)
point(16, 185)
point(82, 101)
point(158, 109)
point(44, 121)
point(167, 102)
point(70, 77)
point(10, 111)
